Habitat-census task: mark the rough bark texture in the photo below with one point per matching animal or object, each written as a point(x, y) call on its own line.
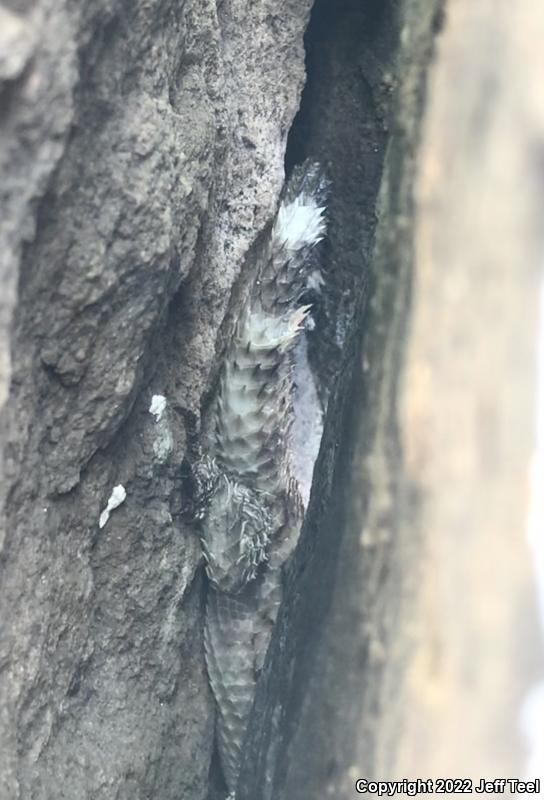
point(142, 152)
point(141, 156)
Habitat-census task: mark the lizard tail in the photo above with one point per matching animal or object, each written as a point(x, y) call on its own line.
point(299, 226)
point(235, 624)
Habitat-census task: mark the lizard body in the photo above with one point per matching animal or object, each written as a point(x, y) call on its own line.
point(253, 512)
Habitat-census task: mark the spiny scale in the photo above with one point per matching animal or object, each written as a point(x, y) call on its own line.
point(253, 405)
point(253, 516)
point(300, 225)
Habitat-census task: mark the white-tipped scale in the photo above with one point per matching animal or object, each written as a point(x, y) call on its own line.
point(299, 223)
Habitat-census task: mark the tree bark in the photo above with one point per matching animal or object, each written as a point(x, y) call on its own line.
point(141, 156)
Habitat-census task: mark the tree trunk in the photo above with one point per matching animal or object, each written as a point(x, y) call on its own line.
point(141, 158)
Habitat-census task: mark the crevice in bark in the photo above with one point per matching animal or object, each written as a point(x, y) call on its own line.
point(343, 122)
point(319, 705)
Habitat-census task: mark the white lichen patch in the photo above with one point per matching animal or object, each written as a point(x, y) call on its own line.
point(158, 406)
point(118, 496)
point(163, 442)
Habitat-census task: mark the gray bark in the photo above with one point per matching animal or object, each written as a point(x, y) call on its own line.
point(141, 154)
point(141, 158)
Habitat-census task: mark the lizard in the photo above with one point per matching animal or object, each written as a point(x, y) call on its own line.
point(250, 509)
